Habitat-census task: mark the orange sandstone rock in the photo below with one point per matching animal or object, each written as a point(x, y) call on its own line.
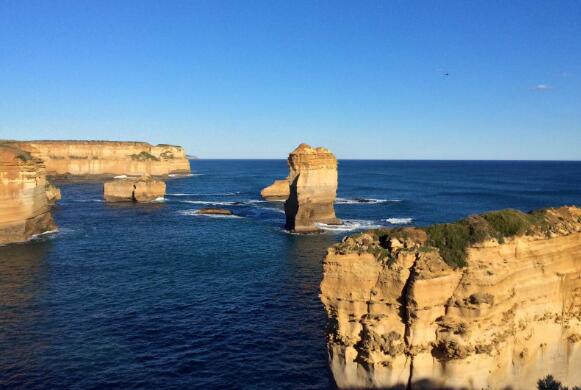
point(89, 158)
point(279, 190)
point(399, 313)
point(24, 207)
point(313, 188)
point(142, 189)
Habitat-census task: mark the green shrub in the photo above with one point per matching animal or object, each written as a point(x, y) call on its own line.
point(550, 383)
point(143, 156)
point(451, 239)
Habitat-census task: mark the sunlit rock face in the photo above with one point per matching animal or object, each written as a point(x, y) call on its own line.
point(53, 194)
point(143, 189)
point(312, 189)
point(24, 207)
point(88, 158)
point(279, 190)
point(399, 314)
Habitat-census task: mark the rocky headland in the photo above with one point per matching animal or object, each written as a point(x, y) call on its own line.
point(133, 189)
point(490, 302)
point(312, 189)
point(24, 196)
point(102, 158)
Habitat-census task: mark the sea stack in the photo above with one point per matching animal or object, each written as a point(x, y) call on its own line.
point(312, 189)
point(24, 206)
point(490, 302)
point(138, 189)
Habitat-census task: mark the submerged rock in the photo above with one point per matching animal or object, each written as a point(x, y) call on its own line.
point(24, 206)
point(279, 190)
point(141, 189)
point(312, 189)
point(490, 302)
point(213, 211)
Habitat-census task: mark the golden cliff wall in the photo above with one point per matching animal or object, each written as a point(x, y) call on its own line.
point(313, 188)
point(399, 314)
point(24, 207)
point(86, 158)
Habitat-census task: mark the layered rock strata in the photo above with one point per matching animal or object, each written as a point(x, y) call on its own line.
point(402, 313)
point(53, 193)
point(90, 158)
point(24, 206)
point(312, 189)
point(279, 190)
point(142, 189)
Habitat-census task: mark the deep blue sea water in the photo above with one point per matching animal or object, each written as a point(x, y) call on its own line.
point(154, 297)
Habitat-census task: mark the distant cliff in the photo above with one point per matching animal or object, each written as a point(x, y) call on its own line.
point(493, 301)
point(87, 158)
point(24, 206)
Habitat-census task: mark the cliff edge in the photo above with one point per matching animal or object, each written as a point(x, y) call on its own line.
point(493, 301)
point(91, 158)
point(24, 203)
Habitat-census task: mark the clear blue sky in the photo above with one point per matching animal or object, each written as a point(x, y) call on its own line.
point(252, 79)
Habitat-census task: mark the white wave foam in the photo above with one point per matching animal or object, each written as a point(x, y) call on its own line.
point(184, 174)
point(120, 177)
point(195, 213)
point(200, 194)
point(399, 221)
point(160, 199)
point(211, 202)
point(350, 225)
point(364, 201)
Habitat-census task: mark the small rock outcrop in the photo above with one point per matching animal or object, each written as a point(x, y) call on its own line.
point(279, 190)
point(141, 189)
point(96, 158)
point(312, 189)
point(490, 302)
point(213, 211)
point(24, 206)
point(53, 193)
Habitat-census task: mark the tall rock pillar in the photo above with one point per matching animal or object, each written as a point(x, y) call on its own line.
point(313, 188)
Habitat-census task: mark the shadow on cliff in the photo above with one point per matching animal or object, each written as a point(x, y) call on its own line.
point(423, 385)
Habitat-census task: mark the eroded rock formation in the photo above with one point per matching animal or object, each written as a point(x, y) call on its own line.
point(53, 193)
point(279, 190)
point(490, 302)
point(139, 189)
point(89, 158)
point(24, 207)
point(313, 188)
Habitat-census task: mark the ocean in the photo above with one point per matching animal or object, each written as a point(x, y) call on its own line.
point(153, 296)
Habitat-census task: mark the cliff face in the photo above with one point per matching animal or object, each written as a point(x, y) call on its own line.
point(144, 189)
point(400, 314)
point(24, 208)
point(313, 188)
point(85, 158)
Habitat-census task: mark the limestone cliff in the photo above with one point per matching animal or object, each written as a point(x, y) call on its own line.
point(313, 188)
point(24, 207)
point(88, 158)
point(490, 302)
point(279, 190)
point(143, 189)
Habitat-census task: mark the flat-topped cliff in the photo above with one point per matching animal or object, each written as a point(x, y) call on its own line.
point(312, 189)
point(24, 191)
point(88, 158)
point(490, 302)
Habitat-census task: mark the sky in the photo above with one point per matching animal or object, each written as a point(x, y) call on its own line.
point(387, 79)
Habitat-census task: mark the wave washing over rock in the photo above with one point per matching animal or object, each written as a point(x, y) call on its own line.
point(25, 196)
point(90, 158)
point(493, 301)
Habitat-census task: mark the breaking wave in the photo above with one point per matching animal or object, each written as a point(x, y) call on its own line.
point(364, 201)
point(350, 225)
point(399, 221)
point(195, 213)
